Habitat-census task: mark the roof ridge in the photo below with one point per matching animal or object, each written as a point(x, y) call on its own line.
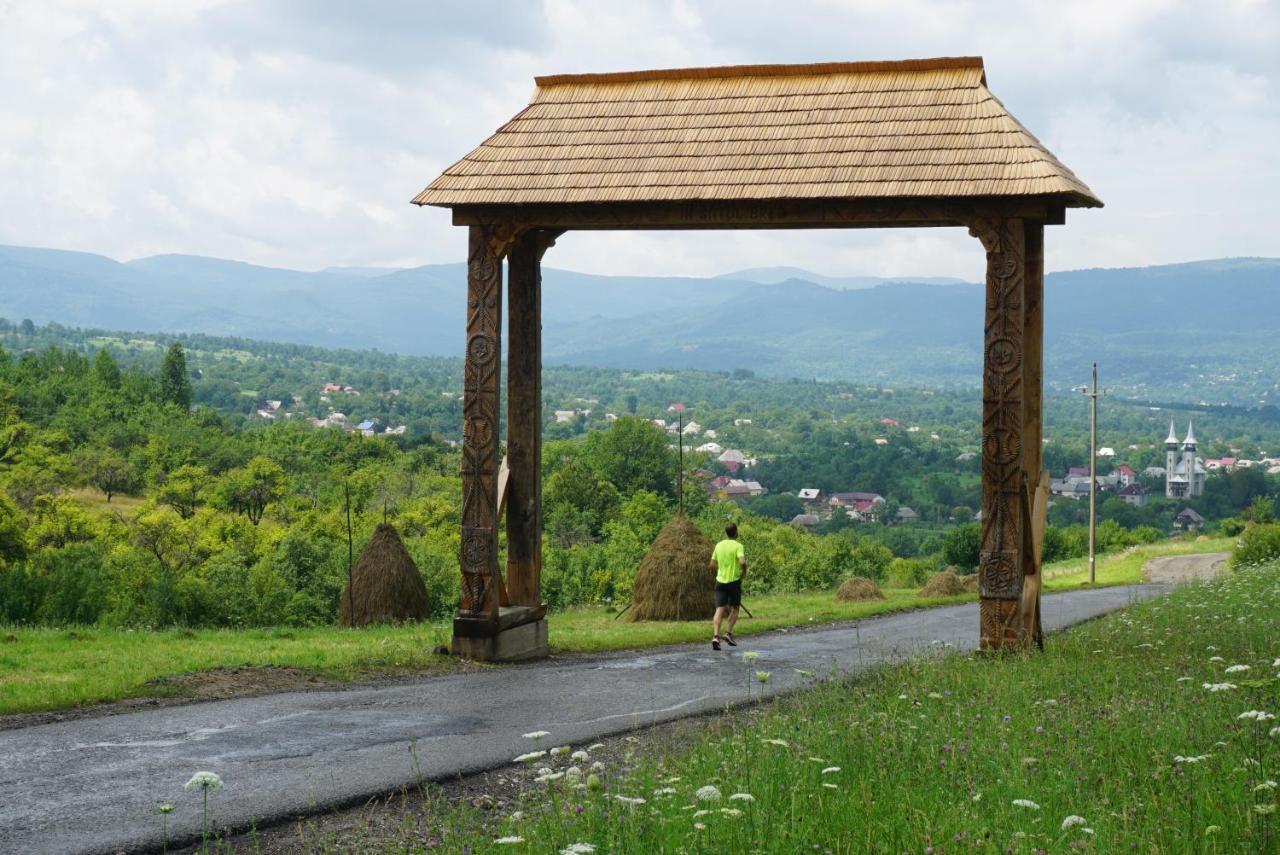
point(786, 70)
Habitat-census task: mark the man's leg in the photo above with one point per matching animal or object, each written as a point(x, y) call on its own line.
point(715, 621)
point(733, 618)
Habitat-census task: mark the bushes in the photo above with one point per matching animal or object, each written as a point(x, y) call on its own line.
point(1259, 543)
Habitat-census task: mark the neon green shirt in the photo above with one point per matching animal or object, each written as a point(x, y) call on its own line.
point(726, 555)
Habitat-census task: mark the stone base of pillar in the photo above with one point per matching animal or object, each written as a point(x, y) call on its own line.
point(513, 644)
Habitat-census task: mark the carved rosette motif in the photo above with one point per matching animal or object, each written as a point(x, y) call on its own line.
point(1000, 558)
point(479, 550)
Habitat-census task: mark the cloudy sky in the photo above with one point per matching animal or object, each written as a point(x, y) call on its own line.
point(293, 133)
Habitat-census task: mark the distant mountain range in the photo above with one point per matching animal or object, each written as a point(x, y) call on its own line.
point(1195, 331)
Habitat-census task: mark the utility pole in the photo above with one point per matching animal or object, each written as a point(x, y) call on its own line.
point(680, 460)
point(1093, 394)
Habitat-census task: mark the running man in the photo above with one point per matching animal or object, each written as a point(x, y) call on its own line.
point(730, 564)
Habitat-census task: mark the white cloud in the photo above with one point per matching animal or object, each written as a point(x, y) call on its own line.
point(295, 133)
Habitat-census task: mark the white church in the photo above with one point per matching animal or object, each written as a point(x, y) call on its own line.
point(1183, 476)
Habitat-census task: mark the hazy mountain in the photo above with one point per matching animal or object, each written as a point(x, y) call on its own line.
point(774, 275)
point(1199, 330)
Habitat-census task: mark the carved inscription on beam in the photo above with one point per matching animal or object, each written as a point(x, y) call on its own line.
point(1001, 557)
point(487, 245)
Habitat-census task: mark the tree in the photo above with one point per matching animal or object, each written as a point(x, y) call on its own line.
point(183, 489)
point(251, 488)
point(106, 370)
point(175, 383)
point(27, 327)
point(779, 506)
point(106, 469)
point(962, 545)
point(633, 455)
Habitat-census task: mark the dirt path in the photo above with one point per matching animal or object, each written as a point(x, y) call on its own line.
point(1176, 569)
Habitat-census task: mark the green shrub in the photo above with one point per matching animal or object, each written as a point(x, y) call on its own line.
point(1259, 543)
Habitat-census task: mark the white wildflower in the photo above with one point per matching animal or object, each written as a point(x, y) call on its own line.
point(530, 757)
point(1210, 830)
point(549, 777)
point(762, 676)
point(1219, 687)
point(580, 756)
point(559, 750)
point(1236, 669)
point(535, 735)
point(780, 742)
point(742, 797)
point(1274, 732)
point(902, 697)
point(817, 760)
point(1264, 786)
point(1198, 758)
point(1264, 809)
point(831, 786)
point(807, 674)
point(731, 812)
point(1216, 659)
point(573, 773)
point(597, 766)
point(830, 770)
point(1073, 821)
point(708, 793)
point(516, 816)
point(665, 791)
point(1026, 803)
point(1255, 715)
point(750, 656)
point(937, 696)
point(578, 849)
point(674, 779)
point(595, 747)
point(699, 813)
point(630, 800)
point(205, 781)
point(501, 841)
point(702, 826)
point(1184, 679)
point(977, 797)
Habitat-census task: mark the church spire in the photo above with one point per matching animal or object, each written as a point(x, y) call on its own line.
point(1190, 441)
point(1172, 440)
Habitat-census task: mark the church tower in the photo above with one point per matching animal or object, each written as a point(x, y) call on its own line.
point(1194, 472)
point(1170, 460)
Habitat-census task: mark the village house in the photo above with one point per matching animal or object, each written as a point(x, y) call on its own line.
point(709, 448)
point(738, 489)
point(269, 409)
point(806, 521)
point(1188, 520)
point(732, 459)
point(906, 515)
point(1133, 494)
point(811, 496)
point(1126, 475)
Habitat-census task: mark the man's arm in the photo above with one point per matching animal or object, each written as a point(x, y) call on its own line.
point(742, 564)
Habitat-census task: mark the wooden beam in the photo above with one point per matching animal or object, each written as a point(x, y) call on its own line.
point(478, 609)
point(1000, 566)
point(1033, 419)
point(767, 214)
point(524, 418)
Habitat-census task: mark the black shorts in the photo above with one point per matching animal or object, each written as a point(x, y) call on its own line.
point(729, 593)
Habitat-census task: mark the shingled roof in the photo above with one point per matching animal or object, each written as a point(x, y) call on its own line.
point(866, 130)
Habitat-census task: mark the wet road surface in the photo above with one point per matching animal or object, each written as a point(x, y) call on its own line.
point(92, 785)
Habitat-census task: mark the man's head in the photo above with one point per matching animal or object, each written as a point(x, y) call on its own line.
point(731, 531)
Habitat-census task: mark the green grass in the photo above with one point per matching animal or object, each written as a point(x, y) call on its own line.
point(1125, 568)
point(1000, 753)
point(49, 669)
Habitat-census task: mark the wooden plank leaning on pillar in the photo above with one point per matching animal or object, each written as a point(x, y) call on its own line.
point(524, 418)
point(1037, 481)
point(478, 610)
point(1000, 564)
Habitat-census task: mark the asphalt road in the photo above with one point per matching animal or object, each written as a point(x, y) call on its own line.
point(92, 785)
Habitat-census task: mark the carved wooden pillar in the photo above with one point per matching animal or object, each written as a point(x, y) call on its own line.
point(1004, 514)
point(1033, 420)
point(524, 418)
point(478, 610)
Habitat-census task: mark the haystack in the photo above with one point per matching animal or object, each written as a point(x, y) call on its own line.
point(385, 585)
point(858, 590)
point(970, 583)
point(945, 584)
point(673, 581)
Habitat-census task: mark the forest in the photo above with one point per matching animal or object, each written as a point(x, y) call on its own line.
point(140, 489)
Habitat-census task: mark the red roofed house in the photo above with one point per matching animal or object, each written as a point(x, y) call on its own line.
point(1127, 475)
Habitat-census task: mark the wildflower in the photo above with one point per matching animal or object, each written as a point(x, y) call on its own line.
point(1264, 809)
point(702, 826)
point(750, 656)
point(501, 841)
point(516, 816)
point(530, 757)
point(593, 782)
point(559, 750)
point(1026, 803)
point(937, 696)
point(1237, 669)
point(831, 786)
point(1210, 830)
point(1274, 732)
point(595, 747)
point(665, 791)
point(597, 766)
point(573, 773)
point(1183, 679)
point(165, 808)
point(807, 674)
point(1256, 715)
point(977, 797)
point(708, 793)
point(629, 800)
point(762, 676)
point(1219, 687)
point(1216, 659)
point(205, 780)
point(1276, 664)
point(1199, 758)
point(902, 697)
point(549, 777)
point(535, 735)
point(734, 812)
point(1073, 821)
point(780, 742)
point(578, 849)
point(830, 770)
point(674, 779)
point(742, 797)
point(817, 760)
point(1265, 786)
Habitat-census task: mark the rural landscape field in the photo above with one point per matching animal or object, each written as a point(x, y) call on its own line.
point(667, 427)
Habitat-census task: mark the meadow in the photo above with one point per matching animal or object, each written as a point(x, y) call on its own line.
point(58, 668)
point(1151, 730)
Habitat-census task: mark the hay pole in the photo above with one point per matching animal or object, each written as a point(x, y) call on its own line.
point(623, 612)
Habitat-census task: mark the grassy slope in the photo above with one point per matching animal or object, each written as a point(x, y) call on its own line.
point(46, 669)
point(934, 755)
